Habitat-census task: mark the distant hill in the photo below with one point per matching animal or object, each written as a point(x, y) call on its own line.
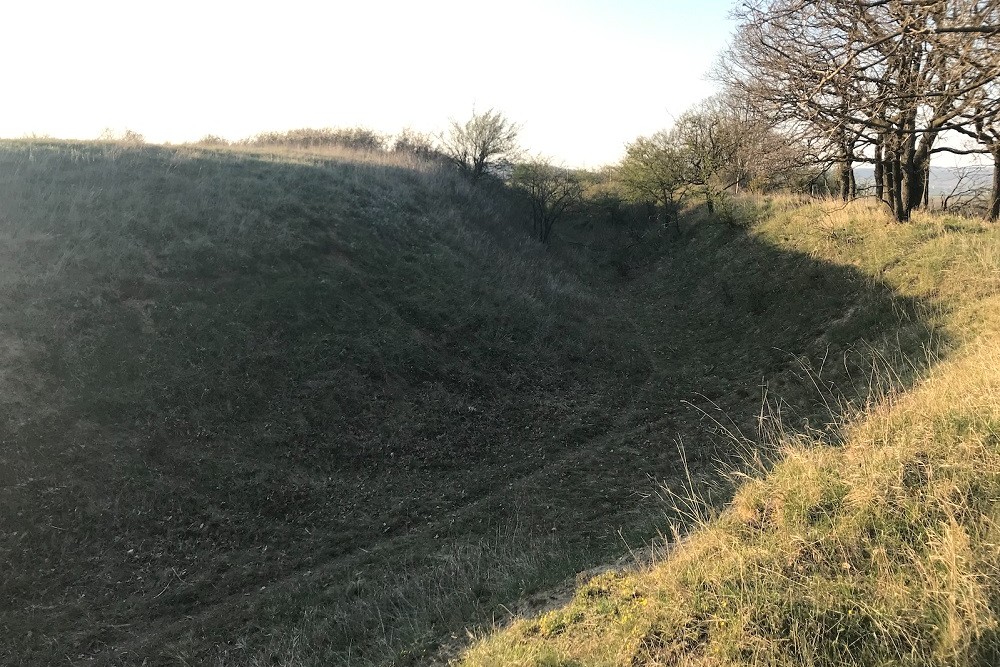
point(943, 179)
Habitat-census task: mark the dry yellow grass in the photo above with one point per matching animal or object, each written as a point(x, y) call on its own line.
point(882, 549)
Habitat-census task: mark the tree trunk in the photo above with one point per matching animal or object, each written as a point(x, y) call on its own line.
point(666, 207)
point(923, 161)
point(909, 178)
point(547, 223)
point(890, 182)
point(919, 178)
point(538, 219)
point(670, 213)
point(879, 171)
point(927, 186)
point(994, 213)
point(899, 210)
point(845, 180)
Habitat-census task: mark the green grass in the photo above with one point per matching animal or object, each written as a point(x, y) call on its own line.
point(263, 406)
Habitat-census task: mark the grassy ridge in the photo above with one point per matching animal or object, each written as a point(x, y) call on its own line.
point(265, 405)
point(880, 548)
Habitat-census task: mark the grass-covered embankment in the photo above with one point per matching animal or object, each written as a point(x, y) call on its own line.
point(878, 547)
point(264, 406)
point(238, 383)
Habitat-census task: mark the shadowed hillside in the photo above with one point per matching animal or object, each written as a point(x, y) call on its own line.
point(877, 547)
point(309, 409)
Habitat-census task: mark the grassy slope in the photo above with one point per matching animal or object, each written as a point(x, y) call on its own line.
point(314, 409)
point(878, 549)
point(251, 366)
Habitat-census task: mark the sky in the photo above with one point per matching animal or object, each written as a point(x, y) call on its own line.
point(582, 77)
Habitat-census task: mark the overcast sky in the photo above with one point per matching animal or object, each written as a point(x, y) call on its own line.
point(583, 76)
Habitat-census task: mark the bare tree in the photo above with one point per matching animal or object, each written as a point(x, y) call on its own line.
point(983, 118)
point(726, 145)
point(966, 190)
point(719, 145)
point(481, 142)
point(553, 191)
point(789, 68)
point(880, 80)
point(415, 143)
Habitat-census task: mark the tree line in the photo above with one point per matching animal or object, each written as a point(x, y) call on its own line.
point(813, 88)
point(883, 82)
point(810, 90)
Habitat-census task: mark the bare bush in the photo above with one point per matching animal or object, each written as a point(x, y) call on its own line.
point(126, 136)
point(553, 192)
point(212, 140)
point(481, 143)
point(415, 143)
point(356, 138)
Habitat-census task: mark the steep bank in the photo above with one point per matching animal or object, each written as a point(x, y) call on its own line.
point(334, 408)
point(879, 547)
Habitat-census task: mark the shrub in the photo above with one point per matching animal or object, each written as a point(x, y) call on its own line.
point(126, 137)
point(415, 143)
point(738, 213)
point(357, 138)
point(212, 140)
